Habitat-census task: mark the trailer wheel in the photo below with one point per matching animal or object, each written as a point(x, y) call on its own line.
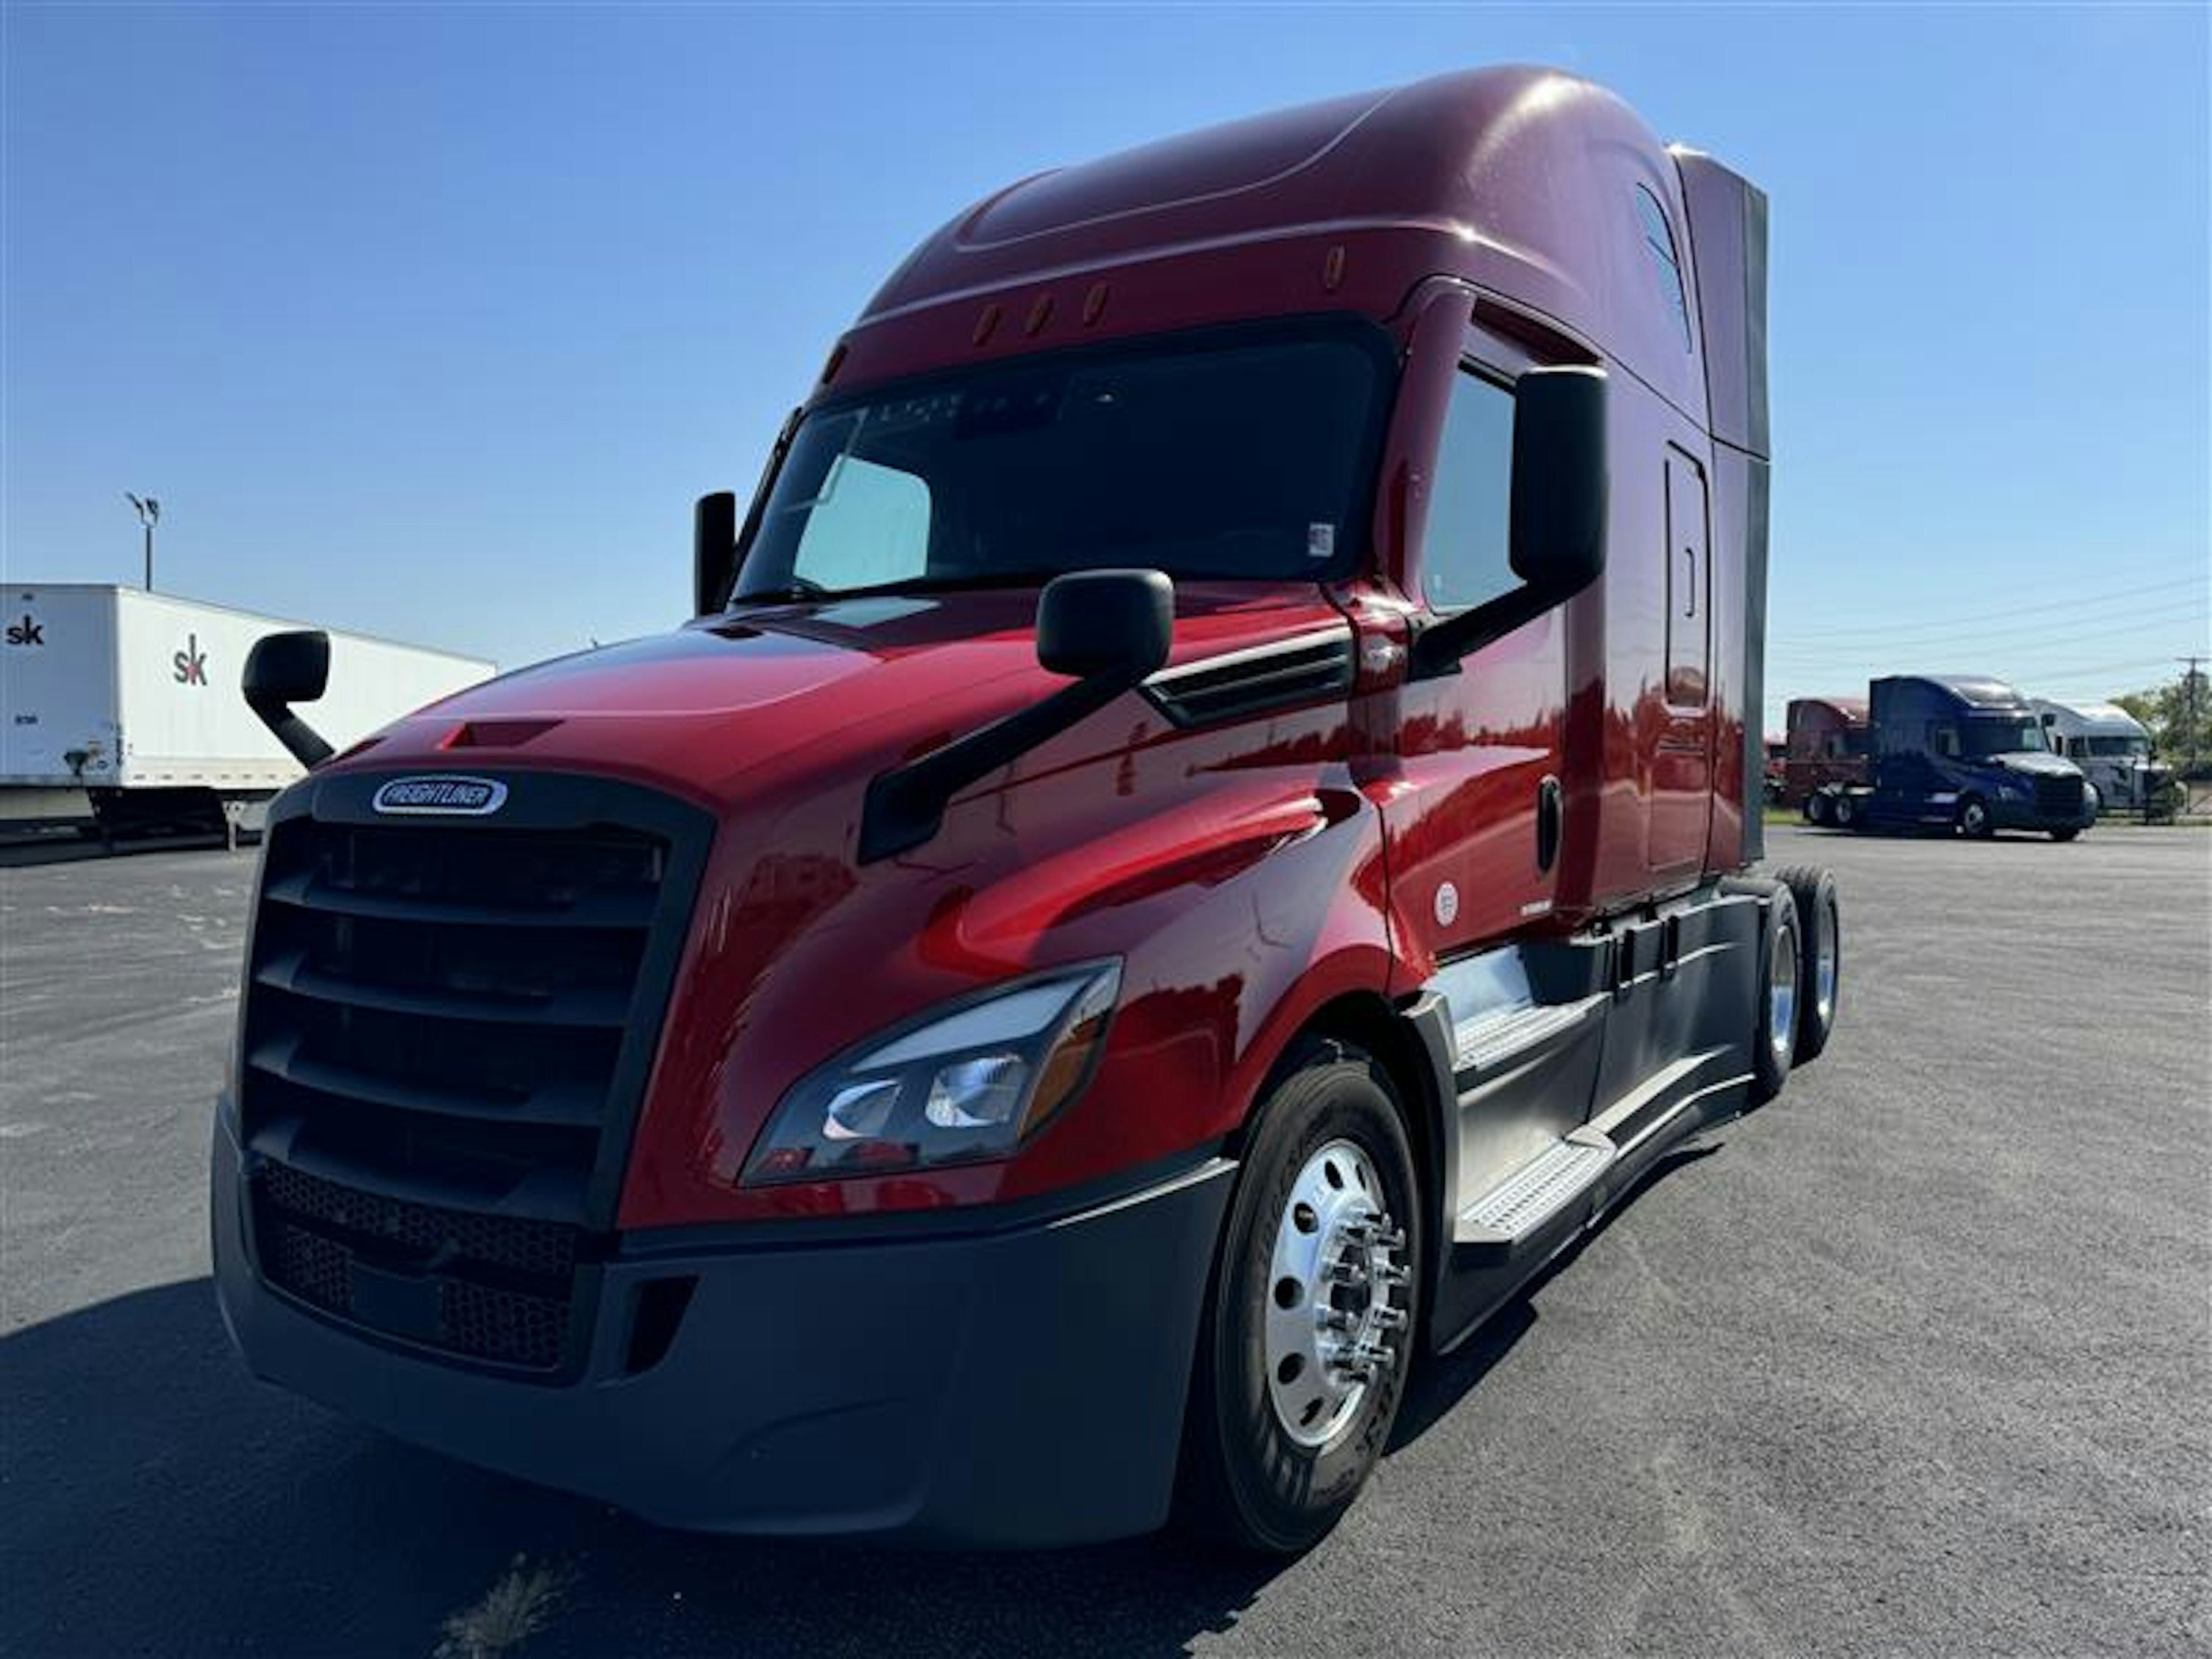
point(1974, 822)
point(1816, 808)
point(1820, 979)
point(1774, 1022)
point(1846, 813)
point(1311, 1318)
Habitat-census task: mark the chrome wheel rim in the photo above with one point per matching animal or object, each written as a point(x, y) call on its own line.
point(1782, 993)
point(1824, 968)
point(1974, 818)
point(1336, 1295)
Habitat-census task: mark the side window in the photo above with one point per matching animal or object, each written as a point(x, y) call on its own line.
point(1463, 551)
point(1946, 741)
point(1666, 262)
point(870, 524)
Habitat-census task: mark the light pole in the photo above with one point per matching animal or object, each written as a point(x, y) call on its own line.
point(149, 515)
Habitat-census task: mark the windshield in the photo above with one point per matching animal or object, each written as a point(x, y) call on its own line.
point(2115, 746)
point(2003, 736)
point(1237, 459)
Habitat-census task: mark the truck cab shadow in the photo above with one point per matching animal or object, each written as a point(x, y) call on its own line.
point(159, 1500)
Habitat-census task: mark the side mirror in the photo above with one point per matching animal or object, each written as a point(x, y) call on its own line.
point(714, 551)
point(1093, 623)
point(283, 669)
point(1560, 480)
point(1559, 496)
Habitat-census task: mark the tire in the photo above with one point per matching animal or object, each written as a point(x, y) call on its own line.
point(1817, 809)
point(1973, 818)
point(1262, 1469)
point(1821, 972)
point(1846, 813)
point(1774, 1000)
point(2066, 834)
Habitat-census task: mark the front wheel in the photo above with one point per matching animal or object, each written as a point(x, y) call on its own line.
point(1309, 1323)
point(1974, 821)
point(2066, 834)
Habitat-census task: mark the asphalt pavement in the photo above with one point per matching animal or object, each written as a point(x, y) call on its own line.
point(1916, 1360)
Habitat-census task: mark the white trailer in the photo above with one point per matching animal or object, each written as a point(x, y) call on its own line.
point(134, 697)
point(2112, 749)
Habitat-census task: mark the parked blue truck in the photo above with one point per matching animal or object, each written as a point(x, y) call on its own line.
point(1964, 752)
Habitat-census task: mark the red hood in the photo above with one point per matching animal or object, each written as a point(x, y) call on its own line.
point(851, 684)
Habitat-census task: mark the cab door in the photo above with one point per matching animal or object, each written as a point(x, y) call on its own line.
point(1681, 762)
point(1473, 816)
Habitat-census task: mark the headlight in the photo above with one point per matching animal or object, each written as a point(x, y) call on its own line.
point(965, 1084)
point(2090, 793)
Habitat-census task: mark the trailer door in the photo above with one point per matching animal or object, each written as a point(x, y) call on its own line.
point(1681, 762)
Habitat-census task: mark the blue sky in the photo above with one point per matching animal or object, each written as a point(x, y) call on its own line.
point(431, 321)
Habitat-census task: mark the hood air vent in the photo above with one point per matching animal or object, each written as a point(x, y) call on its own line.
point(1247, 683)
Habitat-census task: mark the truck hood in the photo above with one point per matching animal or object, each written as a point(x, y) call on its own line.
point(853, 683)
point(2035, 762)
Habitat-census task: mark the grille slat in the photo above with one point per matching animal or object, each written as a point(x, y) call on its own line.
point(447, 1032)
point(570, 1106)
point(305, 890)
point(606, 1008)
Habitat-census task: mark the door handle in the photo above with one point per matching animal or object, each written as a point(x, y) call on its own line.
point(1550, 807)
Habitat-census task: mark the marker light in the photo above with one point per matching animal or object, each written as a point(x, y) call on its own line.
point(957, 1086)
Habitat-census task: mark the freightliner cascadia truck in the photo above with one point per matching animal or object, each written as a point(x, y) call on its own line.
point(1961, 752)
point(1198, 836)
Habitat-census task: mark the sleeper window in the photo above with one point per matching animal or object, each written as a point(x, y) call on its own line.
point(1666, 262)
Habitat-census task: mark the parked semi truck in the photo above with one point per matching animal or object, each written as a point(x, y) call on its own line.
point(132, 699)
point(2112, 748)
point(1961, 752)
point(1826, 747)
point(1198, 836)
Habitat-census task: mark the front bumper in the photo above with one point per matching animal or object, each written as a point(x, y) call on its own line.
point(1017, 1387)
point(2013, 813)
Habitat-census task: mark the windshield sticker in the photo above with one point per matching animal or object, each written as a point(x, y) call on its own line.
point(1321, 541)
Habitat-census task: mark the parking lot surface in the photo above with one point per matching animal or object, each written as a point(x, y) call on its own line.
point(1917, 1359)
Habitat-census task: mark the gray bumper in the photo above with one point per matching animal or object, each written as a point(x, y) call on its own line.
point(1016, 1388)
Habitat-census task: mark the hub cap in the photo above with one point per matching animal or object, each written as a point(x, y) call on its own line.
point(1782, 993)
point(1333, 1323)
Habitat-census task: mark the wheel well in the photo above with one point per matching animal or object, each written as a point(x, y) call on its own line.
point(1365, 1020)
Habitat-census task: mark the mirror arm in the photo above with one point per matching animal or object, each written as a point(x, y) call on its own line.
point(906, 805)
point(1439, 642)
point(305, 743)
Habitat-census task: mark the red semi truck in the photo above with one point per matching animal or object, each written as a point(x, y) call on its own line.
point(1197, 839)
point(1827, 745)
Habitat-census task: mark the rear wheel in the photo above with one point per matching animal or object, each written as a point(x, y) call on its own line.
point(1821, 956)
point(1846, 811)
point(1774, 1026)
point(1309, 1328)
point(1816, 808)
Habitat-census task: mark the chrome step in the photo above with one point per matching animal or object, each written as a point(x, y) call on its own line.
point(1498, 1033)
point(1518, 1207)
